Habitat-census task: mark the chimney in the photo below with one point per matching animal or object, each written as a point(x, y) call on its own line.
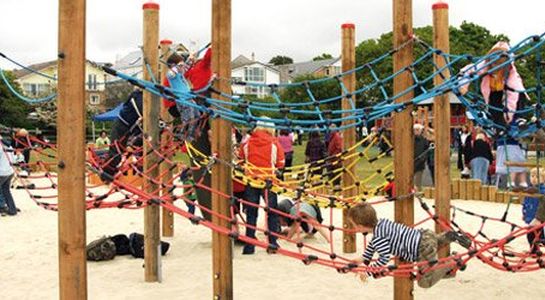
point(253, 56)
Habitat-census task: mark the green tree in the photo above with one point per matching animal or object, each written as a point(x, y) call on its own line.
point(13, 111)
point(322, 57)
point(321, 91)
point(281, 60)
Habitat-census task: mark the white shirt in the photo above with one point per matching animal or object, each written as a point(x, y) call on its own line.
point(5, 158)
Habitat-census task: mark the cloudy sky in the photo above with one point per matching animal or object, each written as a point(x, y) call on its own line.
point(300, 29)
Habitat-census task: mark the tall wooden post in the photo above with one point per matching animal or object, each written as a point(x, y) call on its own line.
point(151, 134)
point(168, 216)
point(403, 133)
point(71, 139)
point(349, 81)
point(441, 117)
point(222, 252)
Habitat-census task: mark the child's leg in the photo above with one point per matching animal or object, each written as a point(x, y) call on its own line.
point(427, 250)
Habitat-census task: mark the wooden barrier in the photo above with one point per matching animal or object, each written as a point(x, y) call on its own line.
point(473, 189)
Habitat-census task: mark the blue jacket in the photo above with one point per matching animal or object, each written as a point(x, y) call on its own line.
point(530, 205)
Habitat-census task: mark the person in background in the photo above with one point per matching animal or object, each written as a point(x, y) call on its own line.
point(421, 146)
point(334, 148)
point(7, 204)
point(103, 141)
point(314, 151)
point(481, 158)
point(286, 141)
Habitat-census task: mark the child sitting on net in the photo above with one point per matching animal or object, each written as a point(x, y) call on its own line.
point(533, 209)
point(409, 244)
point(310, 216)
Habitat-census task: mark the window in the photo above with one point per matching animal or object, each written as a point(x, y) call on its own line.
point(35, 89)
point(92, 82)
point(95, 100)
point(254, 74)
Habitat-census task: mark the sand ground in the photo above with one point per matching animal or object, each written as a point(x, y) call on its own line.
point(29, 263)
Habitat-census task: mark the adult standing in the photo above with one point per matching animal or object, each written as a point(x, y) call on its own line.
point(481, 158)
point(7, 204)
point(265, 155)
point(421, 146)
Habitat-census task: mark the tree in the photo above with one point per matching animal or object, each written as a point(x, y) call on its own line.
point(13, 111)
point(321, 91)
point(322, 57)
point(281, 60)
point(470, 38)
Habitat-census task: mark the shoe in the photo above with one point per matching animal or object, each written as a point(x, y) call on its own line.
point(460, 238)
point(3, 211)
point(248, 249)
point(450, 274)
point(273, 248)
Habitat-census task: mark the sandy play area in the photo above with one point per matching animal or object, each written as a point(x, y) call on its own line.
point(29, 264)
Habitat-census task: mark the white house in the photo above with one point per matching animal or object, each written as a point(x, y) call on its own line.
point(248, 70)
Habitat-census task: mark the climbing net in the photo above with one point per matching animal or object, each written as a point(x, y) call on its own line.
point(298, 182)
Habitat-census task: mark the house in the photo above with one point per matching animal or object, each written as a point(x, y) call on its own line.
point(320, 68)
point(249, 70)
point(36, 85)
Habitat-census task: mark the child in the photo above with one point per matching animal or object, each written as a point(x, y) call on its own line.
point(533, 209)
point(409, 244)
point(311, 214)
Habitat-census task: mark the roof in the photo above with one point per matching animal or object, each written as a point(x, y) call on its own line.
point(131, 60)
point(42, 66)
point(307, 67)
point(452, 98)
point(37, 67)
point(241, 61)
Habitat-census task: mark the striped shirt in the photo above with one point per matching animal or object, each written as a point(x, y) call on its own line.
point(392, 238)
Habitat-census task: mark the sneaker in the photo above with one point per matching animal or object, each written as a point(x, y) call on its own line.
point(460, 238)
point(248, 250)
point(3, 211)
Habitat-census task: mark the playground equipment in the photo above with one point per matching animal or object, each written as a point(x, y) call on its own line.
point(405, 81)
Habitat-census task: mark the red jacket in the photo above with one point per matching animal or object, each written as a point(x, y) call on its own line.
point(262, 150)
point(335, 144)
point(198, 75)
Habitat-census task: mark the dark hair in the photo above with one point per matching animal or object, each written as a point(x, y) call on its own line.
point(284, 132)
point(103, 131)
point(314, 135)
point(174, 59)
point(363, 214)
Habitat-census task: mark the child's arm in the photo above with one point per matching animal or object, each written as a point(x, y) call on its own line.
point(294, 228)
point(540, 213)
point(323, 232)
point(380, 245)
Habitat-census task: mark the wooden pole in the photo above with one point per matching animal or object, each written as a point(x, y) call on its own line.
point(151, 136)
point(403, 133)
point(71, 143)
point(168, 216)
point(441, 120)
point(222, 252)
point(349, 81)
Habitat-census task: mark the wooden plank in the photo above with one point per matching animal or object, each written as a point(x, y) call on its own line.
point(474, 189)
point(492, 193)
point(484, 192)
point(463, 189)
point(403, 133)
point(222, 251)
point(348, 33)
point(455, 188)
point(152, 230)
point(71, 150)
point(167, 220)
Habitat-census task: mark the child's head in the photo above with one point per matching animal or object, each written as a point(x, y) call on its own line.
point(363, 217)
point(534, 178)
point(285, 206)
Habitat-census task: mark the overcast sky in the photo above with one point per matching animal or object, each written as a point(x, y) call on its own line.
point(300, 29)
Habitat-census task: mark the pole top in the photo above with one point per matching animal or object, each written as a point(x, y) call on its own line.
point(440, 5)
point(348, 25)
point(150, 5)
point(165, 42)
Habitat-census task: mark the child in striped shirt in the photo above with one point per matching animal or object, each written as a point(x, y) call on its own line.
point(409, 244)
